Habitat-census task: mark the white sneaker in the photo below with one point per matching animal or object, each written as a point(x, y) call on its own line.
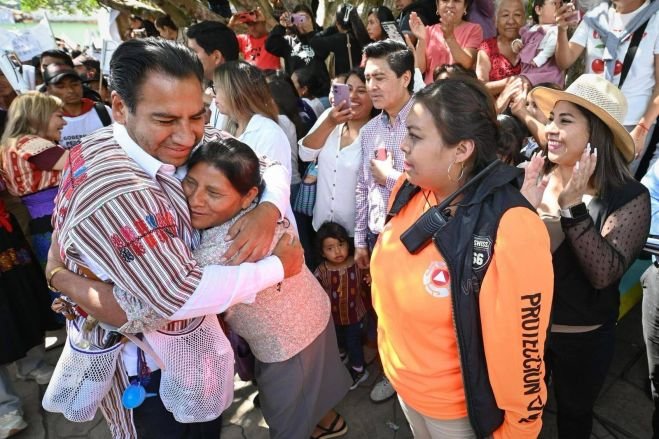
point(11, 423)
point(382, 391)
point(41, 374)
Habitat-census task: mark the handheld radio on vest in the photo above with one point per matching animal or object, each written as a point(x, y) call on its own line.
point(419, 235)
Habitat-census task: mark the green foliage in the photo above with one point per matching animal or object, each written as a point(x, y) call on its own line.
point(68, 6)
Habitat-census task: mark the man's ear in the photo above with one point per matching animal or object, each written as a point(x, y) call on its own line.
point(218, 58)
point(406, 77)
point(119, 108)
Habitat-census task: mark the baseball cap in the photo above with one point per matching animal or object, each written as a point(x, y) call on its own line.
point(54, 73)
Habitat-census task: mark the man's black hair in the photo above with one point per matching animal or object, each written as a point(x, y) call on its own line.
point(166, 20)
point(59, 54)
point(92, 63)
point(133, 60)
point(399, 57)
point(213, 35)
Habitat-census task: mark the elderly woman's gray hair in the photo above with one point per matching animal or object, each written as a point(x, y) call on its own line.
point(498, 3)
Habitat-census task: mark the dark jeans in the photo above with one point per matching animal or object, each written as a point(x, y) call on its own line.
point(650, 284)
point(578, 364)
point(372, 318)
point(349, 338)
point(152, 420)
point(371, 239)
point(307, 239)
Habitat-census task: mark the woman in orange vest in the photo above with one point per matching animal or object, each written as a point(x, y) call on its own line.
point(463, 304)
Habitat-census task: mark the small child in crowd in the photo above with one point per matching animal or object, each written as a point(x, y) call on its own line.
point(538, 44)
point(346, 284)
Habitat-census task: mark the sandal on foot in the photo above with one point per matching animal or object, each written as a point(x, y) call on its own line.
point(333, 430)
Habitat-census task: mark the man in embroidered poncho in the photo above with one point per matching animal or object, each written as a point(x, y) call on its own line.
point(121, 215)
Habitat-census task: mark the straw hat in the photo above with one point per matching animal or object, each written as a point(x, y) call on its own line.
point(600, 97)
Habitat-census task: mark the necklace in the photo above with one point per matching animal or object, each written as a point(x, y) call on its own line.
point(426, 197)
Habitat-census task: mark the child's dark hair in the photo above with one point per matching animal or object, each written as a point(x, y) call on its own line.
point(452, 70)
point(235, 160)
point(336, 231)
point(534, 15)
point(306, 77)
point(512, 133)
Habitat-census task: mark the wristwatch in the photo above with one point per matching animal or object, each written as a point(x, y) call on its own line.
point(575, 211)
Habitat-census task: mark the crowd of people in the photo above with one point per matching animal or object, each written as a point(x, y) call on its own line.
point(442, 182)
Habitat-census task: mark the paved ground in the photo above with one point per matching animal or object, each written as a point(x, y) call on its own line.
point(623, 410)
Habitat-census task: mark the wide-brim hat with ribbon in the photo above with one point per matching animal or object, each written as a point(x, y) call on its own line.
point(598, 96)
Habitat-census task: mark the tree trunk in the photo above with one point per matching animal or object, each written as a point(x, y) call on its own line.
point(179, 16)
point(194, 9)
point(184, 12)
point(330, 12)
point(140, 9)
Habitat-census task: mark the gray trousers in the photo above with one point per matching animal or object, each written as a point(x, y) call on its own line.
point(9, 400)
point(650, 284)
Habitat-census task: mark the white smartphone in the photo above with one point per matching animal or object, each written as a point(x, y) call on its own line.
point(341, 93)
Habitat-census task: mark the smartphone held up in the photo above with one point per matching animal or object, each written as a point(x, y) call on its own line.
point(297, 19)
point(341, 95)
point(573, 14)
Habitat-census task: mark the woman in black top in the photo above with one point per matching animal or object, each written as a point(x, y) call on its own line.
point(290, 39)
point(377, 16)
point(345, 39)
point(598, 218)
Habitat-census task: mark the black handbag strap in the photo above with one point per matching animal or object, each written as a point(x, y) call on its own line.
point(631, 52)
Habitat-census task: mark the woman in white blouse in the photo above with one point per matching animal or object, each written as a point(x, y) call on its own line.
point(241, 92)
point(334, 140)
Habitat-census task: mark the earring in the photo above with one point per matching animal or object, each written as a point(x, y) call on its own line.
point(462, 171)
point(465, 13)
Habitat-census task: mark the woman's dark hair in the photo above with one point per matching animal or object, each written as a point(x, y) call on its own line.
point(383, 14)
point(304, 8)
point(463, 109)
point(336, 231)
point(235, 160)
point(147, 25)
point(348, 18)
point(359, 72)
point(611, 170)
point(305, 112)
point(273, 75)
point(451, 70)
point(512, 134)
point(398, 56)
point(133, 60)
point(286, 99)
point(307, 77)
